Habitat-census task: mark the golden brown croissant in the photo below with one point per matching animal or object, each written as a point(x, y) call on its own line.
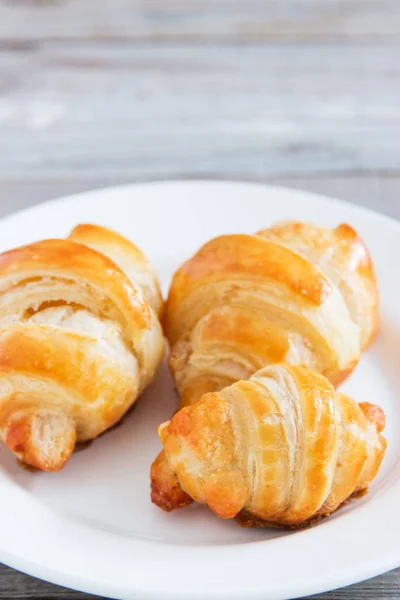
point(293, 293)
point(281, 448)
point(79, 340)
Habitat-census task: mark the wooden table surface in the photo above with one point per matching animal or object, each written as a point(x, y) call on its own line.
point(304, 93)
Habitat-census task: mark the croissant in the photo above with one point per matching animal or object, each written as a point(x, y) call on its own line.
point(293, 293)
point(279, 449)
point(80, 339)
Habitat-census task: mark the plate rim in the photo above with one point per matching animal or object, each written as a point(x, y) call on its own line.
point(61, 577)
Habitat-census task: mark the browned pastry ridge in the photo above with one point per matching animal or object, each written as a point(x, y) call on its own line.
point(280, 449)
point(80, 338)
point(293, 293)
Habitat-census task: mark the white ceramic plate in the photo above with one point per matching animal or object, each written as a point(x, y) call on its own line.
point(92, 526)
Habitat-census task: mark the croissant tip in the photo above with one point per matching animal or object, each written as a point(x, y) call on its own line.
point(166, 492)
point(161, 430)
point(374, 414)
point(43, 439)
point(169, 500)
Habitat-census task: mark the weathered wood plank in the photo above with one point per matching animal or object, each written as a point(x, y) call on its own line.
point(16, 586)
point(255, 111)
point(378, 193)
point(199, 19)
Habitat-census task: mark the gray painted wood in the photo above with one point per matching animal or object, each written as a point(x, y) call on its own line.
point(301, 93)
point(273, 110)
point(199, 19)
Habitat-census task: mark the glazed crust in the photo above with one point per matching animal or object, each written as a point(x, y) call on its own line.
point(313, 290)
point(78, 342)
point(126, 255)
point(281, 449)
point(343, 256)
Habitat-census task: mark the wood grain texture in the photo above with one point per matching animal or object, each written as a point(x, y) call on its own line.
point(225, 20)
point(160, 111)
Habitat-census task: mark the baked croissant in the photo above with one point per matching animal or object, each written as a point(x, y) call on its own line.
point(280, 449)
point(293, 293)
point(79, 340)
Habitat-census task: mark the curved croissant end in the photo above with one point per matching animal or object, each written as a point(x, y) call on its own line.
point(78, 343)
point(280, 449)
point(166, 491)
point(43, 438)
